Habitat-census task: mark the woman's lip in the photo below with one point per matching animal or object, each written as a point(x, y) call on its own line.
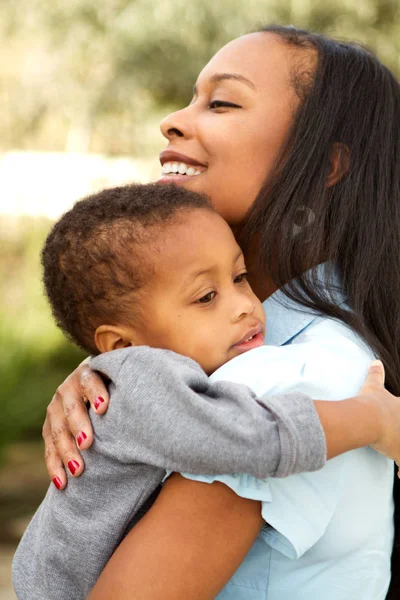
point(170, 156)
point(176, 178)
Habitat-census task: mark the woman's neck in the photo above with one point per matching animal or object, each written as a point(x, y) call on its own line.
point(261, 283)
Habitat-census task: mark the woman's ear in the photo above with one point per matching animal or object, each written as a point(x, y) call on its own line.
point(340, 163)
point(111, 337)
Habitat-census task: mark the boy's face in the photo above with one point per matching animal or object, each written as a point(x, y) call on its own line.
point(198, 302)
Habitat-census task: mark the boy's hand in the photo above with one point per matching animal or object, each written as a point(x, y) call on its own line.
point(67, 426)
point(388, 442)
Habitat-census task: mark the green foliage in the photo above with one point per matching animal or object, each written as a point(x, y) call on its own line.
point(34, 357)
point(87, 75)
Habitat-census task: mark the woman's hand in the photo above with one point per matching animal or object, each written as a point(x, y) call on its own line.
point(388, 441)
point(370, 419)
point(67, 426)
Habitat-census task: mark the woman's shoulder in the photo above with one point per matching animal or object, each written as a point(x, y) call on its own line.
point(334, 336)
point(326, 360)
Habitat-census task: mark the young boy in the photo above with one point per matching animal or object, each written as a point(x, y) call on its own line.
point(151, 279)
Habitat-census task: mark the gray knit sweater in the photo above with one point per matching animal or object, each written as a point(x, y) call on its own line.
point(164, 414)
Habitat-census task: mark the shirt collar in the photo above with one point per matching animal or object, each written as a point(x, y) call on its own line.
point(286, 318)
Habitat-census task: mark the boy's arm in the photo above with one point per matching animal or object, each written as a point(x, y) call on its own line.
point(181, 422)
point(188, 545)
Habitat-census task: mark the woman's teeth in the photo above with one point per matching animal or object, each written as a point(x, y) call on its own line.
point(180, 168)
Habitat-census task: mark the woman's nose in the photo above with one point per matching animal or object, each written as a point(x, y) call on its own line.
point(176, 124)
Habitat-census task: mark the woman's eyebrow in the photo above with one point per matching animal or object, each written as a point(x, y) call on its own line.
point(235, 76)
point(217, 77)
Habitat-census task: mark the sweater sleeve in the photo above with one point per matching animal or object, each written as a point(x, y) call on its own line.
point(180, 421)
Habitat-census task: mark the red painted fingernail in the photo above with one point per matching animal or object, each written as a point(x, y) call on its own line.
point(57, 482)
point(73, 465)
point(99, 402)
point(81, 438)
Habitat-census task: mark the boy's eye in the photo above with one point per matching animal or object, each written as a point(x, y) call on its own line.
point(240, 278)
point(222, 104)
point(207, 298)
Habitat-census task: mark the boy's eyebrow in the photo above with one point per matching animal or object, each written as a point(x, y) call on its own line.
point(193, 276)
point(217, 77)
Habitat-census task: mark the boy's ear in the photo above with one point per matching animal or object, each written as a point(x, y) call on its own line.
point(340, 163)
point(111, 337)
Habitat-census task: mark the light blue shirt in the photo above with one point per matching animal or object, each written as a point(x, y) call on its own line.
point(329, 534)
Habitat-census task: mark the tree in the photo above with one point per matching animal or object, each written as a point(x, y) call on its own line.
point(87, 75)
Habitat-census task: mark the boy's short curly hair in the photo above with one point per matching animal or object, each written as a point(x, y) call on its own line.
point(98, 255)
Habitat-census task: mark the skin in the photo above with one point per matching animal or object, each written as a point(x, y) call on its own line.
point(238, 142)
point(198, 302)
point(237, 147)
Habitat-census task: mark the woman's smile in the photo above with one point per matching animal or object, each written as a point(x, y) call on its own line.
point(176, 167)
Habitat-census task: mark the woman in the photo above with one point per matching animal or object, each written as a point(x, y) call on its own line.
point(297, 140)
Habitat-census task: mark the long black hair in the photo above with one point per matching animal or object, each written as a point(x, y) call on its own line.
point(349, 114)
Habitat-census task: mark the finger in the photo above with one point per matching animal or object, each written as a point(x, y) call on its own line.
point(54, 464)
point(62, 439)
point(77, 421)
point(376, 373)
point(65, 446)
point(94, 389)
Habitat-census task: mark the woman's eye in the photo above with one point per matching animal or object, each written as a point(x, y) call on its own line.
point(207, 298)
point(222, 104)
point(240, 278)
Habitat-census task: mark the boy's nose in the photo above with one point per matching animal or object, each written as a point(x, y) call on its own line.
point(245, 306)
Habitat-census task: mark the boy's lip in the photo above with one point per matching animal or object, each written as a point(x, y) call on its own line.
point(258, 329)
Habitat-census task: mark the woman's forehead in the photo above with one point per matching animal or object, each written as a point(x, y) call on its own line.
point(262, 57)
point(255, 55)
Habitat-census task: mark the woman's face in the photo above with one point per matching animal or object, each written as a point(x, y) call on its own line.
point(231, 133)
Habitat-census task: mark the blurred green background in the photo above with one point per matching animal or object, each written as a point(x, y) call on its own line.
point(83, 86)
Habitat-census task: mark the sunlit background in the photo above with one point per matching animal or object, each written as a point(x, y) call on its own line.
point(83, 86)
